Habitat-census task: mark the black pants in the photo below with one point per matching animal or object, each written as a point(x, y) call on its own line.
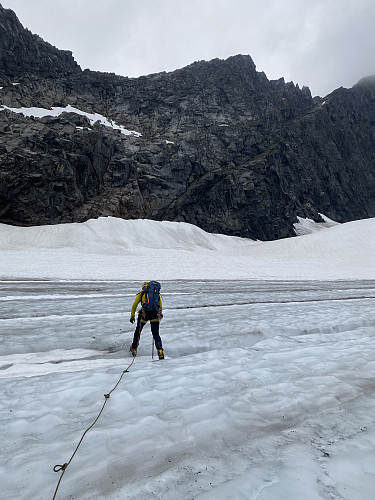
point(142, 320)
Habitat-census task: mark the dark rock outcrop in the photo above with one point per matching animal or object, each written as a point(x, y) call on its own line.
point(24, 56)
point(222, 147)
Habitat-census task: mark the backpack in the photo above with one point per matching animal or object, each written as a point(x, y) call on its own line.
point(152, 296)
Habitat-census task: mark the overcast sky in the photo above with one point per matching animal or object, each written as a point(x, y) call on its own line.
point(323, 44)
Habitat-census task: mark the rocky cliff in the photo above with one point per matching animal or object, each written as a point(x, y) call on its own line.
point(24, 56)
point(221, 146)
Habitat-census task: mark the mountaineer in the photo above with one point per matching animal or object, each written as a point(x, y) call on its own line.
point(151, 310)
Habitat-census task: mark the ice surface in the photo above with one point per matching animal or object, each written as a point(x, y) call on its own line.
point(268, 392)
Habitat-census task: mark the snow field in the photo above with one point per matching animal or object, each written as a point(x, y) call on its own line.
point(268, 391)
point(57, 111)
point(110, 248)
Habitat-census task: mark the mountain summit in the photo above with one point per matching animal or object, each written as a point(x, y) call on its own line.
point(215, 144)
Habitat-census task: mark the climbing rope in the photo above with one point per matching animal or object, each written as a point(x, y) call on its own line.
point(62, 468)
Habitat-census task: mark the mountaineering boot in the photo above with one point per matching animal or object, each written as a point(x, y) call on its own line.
point(161, 353)
point(133, 351)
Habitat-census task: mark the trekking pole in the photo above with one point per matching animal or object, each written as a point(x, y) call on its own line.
point(153, 348)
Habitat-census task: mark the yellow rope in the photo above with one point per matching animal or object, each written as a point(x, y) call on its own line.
point(62, 468)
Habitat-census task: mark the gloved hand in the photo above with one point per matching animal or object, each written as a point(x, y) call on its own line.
point(132, 319)
point(160, 315)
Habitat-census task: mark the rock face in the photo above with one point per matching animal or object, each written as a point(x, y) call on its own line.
point(24, 56)
point(222, 147)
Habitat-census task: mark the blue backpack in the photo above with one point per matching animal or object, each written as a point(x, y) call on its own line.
point(152, 296)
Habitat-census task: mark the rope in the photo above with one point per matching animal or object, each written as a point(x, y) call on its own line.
point(62, 468)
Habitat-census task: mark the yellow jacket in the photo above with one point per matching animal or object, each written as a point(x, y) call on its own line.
point(140, 298)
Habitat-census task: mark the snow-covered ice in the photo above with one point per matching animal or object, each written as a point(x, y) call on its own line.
point(268, 392)
point(308, 226)
point(110, 248)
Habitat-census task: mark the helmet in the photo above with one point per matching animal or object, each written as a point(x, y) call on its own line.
point(144, 286)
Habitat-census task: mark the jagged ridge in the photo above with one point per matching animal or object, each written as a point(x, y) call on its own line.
point(222, 147)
